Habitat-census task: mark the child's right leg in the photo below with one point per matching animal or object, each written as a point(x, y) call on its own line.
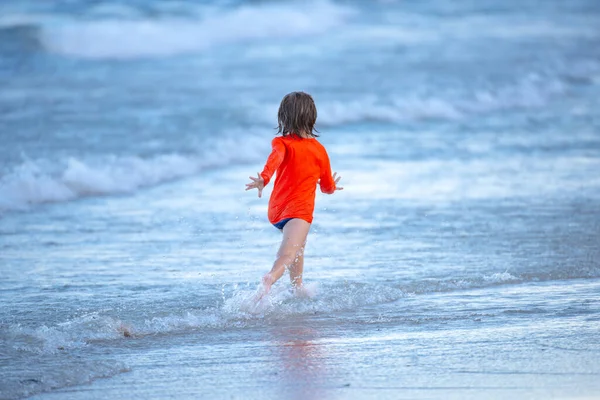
point(290, 254)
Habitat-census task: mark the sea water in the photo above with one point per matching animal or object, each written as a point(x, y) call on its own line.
point(461, 260)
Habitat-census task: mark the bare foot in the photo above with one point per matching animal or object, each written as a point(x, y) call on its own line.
point(267, 282)
point(300, 291)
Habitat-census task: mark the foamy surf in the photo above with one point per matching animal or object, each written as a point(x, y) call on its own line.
point(240, 309)
point(40, 182)
point(51, 181)
point(201, 29)
point(75, 372)
point(72, 334)
point(531, 92)
point(258, 302)
point(245, 308)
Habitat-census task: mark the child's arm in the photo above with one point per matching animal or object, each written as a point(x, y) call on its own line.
point(327, 181)
point(273, 162)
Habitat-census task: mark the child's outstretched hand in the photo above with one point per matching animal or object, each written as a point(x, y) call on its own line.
point(336, 180)
point(257, 183)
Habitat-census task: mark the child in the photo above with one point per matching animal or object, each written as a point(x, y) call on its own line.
point(301, 163)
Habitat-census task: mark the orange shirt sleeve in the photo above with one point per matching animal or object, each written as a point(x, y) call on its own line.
point(326, 180)
point(274, 161)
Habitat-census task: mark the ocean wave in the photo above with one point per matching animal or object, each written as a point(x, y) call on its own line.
point(37, 182)
point(456, 284)
point(237, 310)
point(370, 108)
point(499, 27)
point(400, 26)
point(84, 330)
point(71, 337)
point(394, 110)
point(124, 38)
point(72, 334)
point(530, 93)
point(20, 382)
point(41, 181)
point(46, 343)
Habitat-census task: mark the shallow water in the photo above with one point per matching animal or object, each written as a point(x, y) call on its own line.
point(460, 261)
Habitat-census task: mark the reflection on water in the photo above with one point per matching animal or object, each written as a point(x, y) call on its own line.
point(302, 362)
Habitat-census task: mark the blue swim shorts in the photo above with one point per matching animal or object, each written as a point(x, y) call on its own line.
point(279, 225)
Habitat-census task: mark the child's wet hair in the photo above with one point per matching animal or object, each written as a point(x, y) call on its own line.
point(297, 115)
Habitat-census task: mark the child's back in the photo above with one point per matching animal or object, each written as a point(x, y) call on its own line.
point(300, 162)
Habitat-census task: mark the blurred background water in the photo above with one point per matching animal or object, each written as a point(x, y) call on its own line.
point(460, 261)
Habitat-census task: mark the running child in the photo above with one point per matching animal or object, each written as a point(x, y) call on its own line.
point(301, 163)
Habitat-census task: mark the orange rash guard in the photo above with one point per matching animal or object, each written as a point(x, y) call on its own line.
point(300, 163)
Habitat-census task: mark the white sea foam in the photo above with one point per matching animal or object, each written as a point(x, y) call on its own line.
point(407, 28)
point(456, 180)
point(40, 181)
point(500, 277)
point(37, 182)
point(24, 382)
point(71, 334)
point(530, 93)
point(463, 283)
point(84, 330)
point(370, 109)
point(48, 343)
point(396, 110)
point(132, 38)
point(516, 28)
point(280, 303)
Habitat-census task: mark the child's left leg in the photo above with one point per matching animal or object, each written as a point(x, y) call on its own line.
point(296, 270)
point(290, 254)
